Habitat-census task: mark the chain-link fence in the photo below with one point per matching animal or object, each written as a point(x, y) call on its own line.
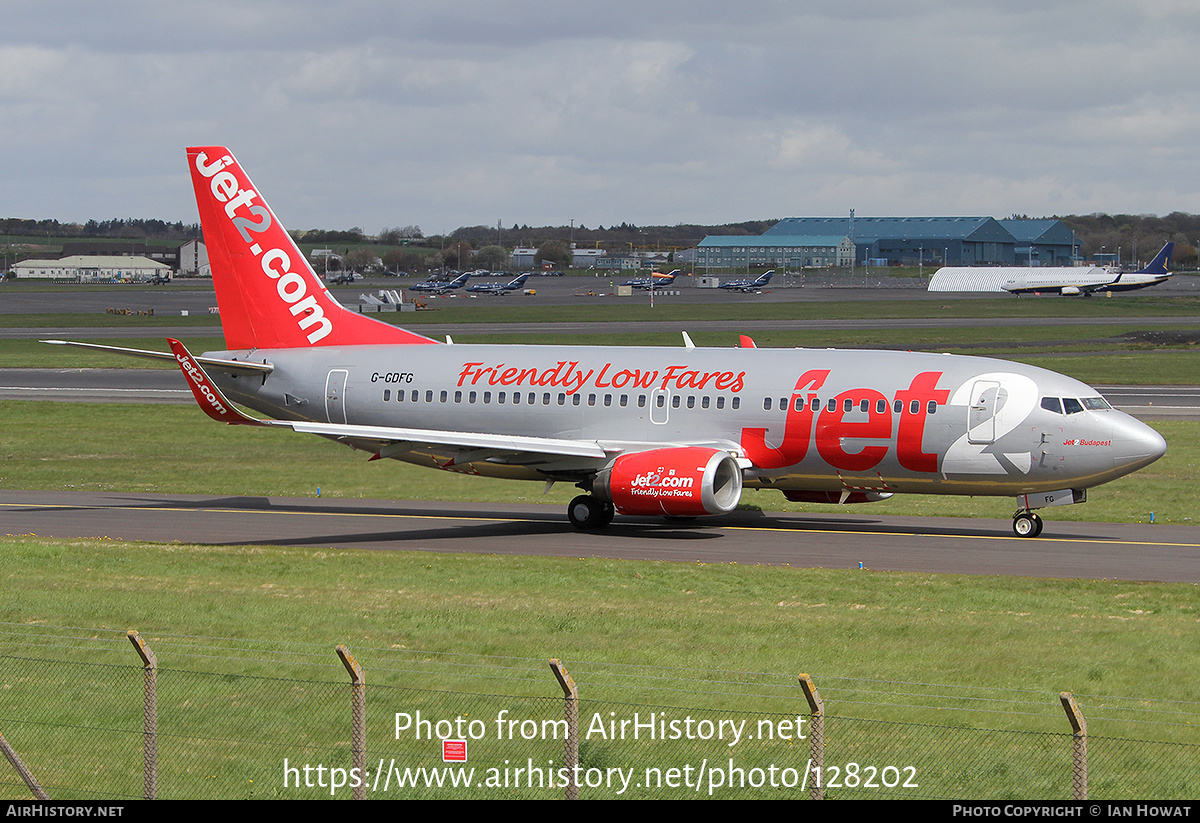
point(225, 723)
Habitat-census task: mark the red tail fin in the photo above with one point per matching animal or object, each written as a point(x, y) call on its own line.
point(269, 296)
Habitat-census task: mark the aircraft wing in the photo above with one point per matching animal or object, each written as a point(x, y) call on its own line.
point(390, 440)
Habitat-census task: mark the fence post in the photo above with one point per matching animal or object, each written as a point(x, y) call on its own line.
point(571, 712)
point(149, 715)
point(816, 737)
point(23, 770)
point(358, 720)
point(1079, 787)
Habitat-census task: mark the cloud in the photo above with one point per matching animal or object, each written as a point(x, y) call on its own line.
point(371, 113)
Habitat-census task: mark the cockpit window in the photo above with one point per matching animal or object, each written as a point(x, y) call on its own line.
point(1095, 404)
point(1052, 404)
point(1071, 405)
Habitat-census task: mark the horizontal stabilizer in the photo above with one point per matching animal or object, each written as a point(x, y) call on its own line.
point(228, 366)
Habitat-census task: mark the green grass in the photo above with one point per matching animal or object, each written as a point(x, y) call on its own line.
point(466, 635)
point(637, 310)
point(916, 649)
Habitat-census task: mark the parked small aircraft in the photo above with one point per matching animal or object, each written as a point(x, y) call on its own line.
point(436, 287)
point(640, 430)
point(499, 288)
point(656, 280)
point(750, 284)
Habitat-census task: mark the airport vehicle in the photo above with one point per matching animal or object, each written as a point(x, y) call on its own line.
point(1065, 280)
point(676, 432)
point(656, 280)
point(499, 288)
point(749, 284)
point(436, 287)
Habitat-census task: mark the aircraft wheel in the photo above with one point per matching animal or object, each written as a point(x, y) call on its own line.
point(1027, 524)
point(588, 513)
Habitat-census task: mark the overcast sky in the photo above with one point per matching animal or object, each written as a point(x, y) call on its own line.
point(443, 114)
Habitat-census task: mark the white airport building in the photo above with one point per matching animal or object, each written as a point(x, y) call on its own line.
point(88, 268)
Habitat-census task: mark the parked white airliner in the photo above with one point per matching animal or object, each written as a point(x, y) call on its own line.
point(641, 430)
point(1065, 280)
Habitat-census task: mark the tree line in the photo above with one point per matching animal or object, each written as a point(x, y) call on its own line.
point(1133, 236)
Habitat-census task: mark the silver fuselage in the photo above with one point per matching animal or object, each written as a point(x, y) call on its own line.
point(806, 419)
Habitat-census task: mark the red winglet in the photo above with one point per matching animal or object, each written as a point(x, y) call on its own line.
point(746, 342)
point(210, 398)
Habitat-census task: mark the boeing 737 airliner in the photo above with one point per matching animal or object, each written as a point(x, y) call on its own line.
point(640, 430)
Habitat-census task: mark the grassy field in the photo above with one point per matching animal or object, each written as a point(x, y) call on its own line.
point(919, 649)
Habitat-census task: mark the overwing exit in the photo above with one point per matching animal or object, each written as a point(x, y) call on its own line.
point(667, 431)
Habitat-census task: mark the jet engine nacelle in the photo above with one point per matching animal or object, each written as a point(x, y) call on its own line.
point(678, 482)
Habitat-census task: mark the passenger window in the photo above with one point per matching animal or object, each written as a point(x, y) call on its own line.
point(471, 397)
point(429, 396)
point(766, 404)
point(500, 398)
point(736, 403)
point(703, 402)
point(864, 405)
point(720, 402)
point(675, 402)
point(415, 395)
point(898, 407)
point(562, 399)
point(880, 406)
point(1052, 404)
point(487, 397)
point(608, 399)
point(458, 397)
point(576, 399)
point(546, 399)
point(1071, 405)
point(443, 397)
point(831, 405)
point(691, 403)
point(387, 394)
point(931, 407)
point(847, 405)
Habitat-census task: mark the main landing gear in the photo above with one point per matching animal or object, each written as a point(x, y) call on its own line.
point(589, 513)
point(1026, 523)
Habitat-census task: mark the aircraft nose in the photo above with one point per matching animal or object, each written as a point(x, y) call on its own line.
point(1135, 444)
